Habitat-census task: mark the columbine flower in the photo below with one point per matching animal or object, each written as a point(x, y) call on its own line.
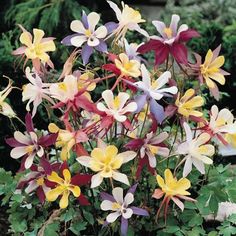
point(186, 105)
point(34, 91)
point(172, 189)
point(29, 144)
point(120, 207)
point(196, 150)
point(153, 90)
point(5, 108)
point(210, 72)
point(171, 41)
point(65, 186)
point(128, 20)
point(106, 161)
point(87, 35)
point(36, 47)
point(116, 105)
point(67, 139)
point(128, 67)
point(131, 51)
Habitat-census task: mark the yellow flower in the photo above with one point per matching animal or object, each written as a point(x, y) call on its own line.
point(65, 139)
point(106, 161)
point(188, 103)
point(171, 186)
point(64, 187)
point(210, 69)
point(38, 47)
point(128, 67)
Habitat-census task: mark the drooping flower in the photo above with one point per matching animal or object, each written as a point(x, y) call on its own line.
point(29, 144)
point(128, 19)
point(209, 71)
point(196, 151)
point(172, 41)
point(67, 139)
point(106, 161)
point(36, 47)
point(119, 205)
point(188, 103)
point(153, 90)
point(35, 91)
point(171, 189)
point(65, 186)
point(87, 35)
point(5, 108)
point(116, 107)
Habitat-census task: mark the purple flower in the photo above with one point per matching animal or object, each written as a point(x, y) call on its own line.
point(29, 144)
point(87, 36)
point(120, 207)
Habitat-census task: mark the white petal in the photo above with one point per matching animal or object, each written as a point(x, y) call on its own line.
point(106, 205)
point(115, 9)
point(127, 156)
point(128, 213)
point(18, 152)
point(187, 166)
point(152, 160)
point(77, 41)
point(160, 26)
point(40, 152)
point(31, 186)
point(101, 32)
point(188, 132)
point(84, 160)
point(183, 148)
point(131, 107)
point(96, 180)
point(129, 198)
point(108, 97)
point(93, 41)
point(21, 138)
point(160, 138)
point(123, 98)
point(163, 79)
point(118, 195)
point(119, 117)
point(113, 216)
point(29, 161)
point(182, 28)
point(101, 107)
point(77, 26)
point(120, 177)
point(199, 165)
point(174, 23)
point(93, 19)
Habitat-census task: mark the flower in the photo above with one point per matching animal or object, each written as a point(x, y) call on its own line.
point(36, 47)
point(128, 20)
point(172, 189)
point(5, 108)
point(196, 150)
point(35, 91)
point(153, 91)
point(106, 161)
point(187, 104)
point(65, 186)
point(120, 207)
point(171, 41)
point(151, 147)
point(209, 71)
point(116, 105)
point(131, 51)
point(128, 67)
point(67, 139)
point(87, 35)
point(29, 144)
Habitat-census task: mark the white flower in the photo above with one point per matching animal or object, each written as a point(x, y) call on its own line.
point(35, 91)
point(154, 87)
point(196, 151)
point(116, 106)
point(89, 34)
point(119, 206)
point(65, 91)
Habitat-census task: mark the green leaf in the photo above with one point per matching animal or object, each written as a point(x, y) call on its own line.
point(89, 217)
point(77, 227)
point(52, 229)
point(171, 229)
point(195, 221)
point(213, 233)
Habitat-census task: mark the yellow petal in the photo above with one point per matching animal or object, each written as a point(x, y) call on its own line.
point(183, 111)
point(207, 150)
point(208, 58)
point(116, 163)
point(38, 35)
point(195, 113)
point(160, 181)
point(218, 62)
point(55, 178)
point(197, 101)
point(26, 39)
point(48, 46)
point(75, 190)
point(184, 184)
point(67, 175)
point(53, 194)
point(98, 154)
point(111, 151)
point(188, 94)
point(209, 82)
point(53, 128)
point(44, 57)
point(169, 179)
point(64, 200)
point(218, 77)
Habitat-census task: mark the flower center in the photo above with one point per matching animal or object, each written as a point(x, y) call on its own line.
point(115, 206)
point(168, 32)
point(153, 149)
point(116, 102)
point(62, 86)
point(30, 148)
point(88, 33)
point(40, 181)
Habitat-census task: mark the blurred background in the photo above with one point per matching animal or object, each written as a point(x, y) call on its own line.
point(215, 20)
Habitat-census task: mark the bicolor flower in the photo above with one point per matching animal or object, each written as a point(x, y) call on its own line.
point(36, 47)
point(153, 90)
point(116, 107)
point(29, 144)
point(119, 205)
point(171, 189)
point(67, 139)
point(196, 151)
point(128, 19)
point(65, 186)
point(5, 108)
point(209, 71)
point(171, 41)
point(35, 91)
point(106, 161)
point(87, 36)
point(188, 103)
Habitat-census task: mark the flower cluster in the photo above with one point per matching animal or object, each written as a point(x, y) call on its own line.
point(119, 118)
